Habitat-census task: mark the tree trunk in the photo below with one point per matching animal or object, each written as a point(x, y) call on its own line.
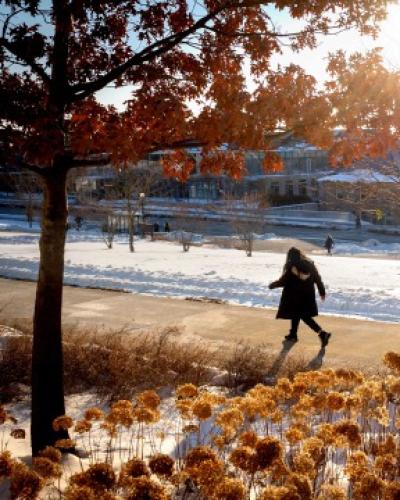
point(47, 355)
point(130, 230)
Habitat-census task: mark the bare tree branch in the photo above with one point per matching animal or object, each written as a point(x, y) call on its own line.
point(36, 68)
point(81, 91)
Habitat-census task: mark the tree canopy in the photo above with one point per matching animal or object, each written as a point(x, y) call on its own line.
point(55, 55)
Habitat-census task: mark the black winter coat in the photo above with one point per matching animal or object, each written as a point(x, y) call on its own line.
point(298, 295)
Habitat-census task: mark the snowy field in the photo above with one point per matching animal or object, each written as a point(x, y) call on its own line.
point(367, 287)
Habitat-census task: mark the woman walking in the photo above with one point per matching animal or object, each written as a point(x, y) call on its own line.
point(298, 296)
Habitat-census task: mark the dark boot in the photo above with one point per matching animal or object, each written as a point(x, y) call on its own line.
point(291, 337)
point(324, 337)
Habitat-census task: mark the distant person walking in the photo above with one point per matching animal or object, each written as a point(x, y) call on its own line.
point(298, 296)
point(166, 227)
point(329, 243)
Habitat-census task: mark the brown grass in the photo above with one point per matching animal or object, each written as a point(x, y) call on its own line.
point(116, 364)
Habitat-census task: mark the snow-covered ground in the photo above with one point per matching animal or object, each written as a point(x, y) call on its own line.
point(366, 287)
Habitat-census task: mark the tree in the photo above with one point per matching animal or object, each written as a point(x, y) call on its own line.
point(132, 185)
point(27, 187)
point(247, 218)
point(187, 225)
point(56, 54)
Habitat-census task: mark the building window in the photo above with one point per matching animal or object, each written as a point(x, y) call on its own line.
point(274, 188)
point(289, 188)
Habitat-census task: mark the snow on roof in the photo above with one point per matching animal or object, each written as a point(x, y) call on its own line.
point(298, 145)
point(359, 175)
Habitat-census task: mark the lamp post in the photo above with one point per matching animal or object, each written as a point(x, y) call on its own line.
point(142, 197)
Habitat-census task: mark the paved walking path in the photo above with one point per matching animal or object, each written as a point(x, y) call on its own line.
point(354, 342)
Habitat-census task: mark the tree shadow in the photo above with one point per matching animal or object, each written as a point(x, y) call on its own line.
point(276, 366)
point(316, 363)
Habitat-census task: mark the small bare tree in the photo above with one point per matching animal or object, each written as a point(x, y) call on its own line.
point(27, 187)
point(108, 230)
point(247, 219)
point(133, 185)
point(187, 225)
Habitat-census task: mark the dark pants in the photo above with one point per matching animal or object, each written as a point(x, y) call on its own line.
point(308, 321)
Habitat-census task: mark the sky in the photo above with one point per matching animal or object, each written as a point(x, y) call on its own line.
point(314, 61)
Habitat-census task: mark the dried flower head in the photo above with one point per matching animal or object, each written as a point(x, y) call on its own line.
point(392, 360)
point(207, 474)
point(279, 493)
point(284, 389)
point(332, 492)
point(62, 423)
point(132, 469)
point(200, 454)
point(349, 431)
point(231, 417)
point(392, 490)
point(326, 433)
point(190, 428)
point(357, 465)
point(315, 447)
point(279, 470)
point(94, 414)
point(353, 403)
point(146, 415)
point(302, 484)
point(305, 465)
point(381, 415)
point(99, 476)
point(46, 468)
point(268, 450)
point(6, 463)
point(82, 426)
point(387, 446)
point(202, 409)
point(18, 433)
point(149, 399)
point(65, 444)
point(74, 492)
point(143, 488)
point(248, 438)
point(25, 483)
point(294, 435)
point(187, 391)
point(121, 413)
point(230, 489)
point(6, 416)
point(394, 386)
point(184, 406)
point(244, 458)
point(161, 464)
point(368, 487)
point(335, 401)
point(386, 465)
point(51, 453)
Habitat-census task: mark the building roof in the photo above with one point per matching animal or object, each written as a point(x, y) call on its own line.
point(367, 176)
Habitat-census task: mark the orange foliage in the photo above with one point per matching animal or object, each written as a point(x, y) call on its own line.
point(178, 164)
point(365, 99)
point(231, 163)
point(165, 75)
point(272, 162)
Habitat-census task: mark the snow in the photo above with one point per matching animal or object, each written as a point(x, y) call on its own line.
point(364, 287)
point(359, 175)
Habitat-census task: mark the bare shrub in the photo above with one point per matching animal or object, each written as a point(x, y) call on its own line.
point(113, 363)
point(246, 365)
point(15, 364)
